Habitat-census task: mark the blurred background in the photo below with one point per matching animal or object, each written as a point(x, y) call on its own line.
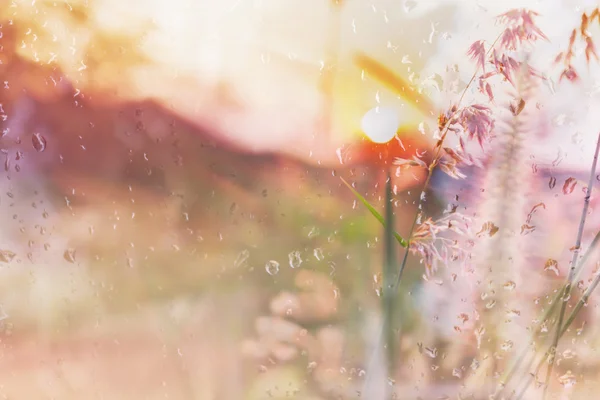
point(173, 220)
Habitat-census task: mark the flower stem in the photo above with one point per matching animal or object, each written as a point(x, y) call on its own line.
point(434, 162)
point(388, 292)
point(569, 284)
point(431, 168)
point(566, 326)
point(509, 374)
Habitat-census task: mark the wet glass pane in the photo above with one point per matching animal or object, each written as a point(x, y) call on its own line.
point(316, 199)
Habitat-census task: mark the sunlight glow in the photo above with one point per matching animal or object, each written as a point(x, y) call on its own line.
point(380, 124)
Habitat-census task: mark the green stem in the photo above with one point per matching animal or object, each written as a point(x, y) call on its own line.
point(388, 293)
point(564, 329)
point(565, 292)
point(404, 243)
point(507, 377)
point(436, 157)
point(569, 284)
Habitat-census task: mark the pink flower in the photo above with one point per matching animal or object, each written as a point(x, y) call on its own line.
point(484, 85)
point(570, 74)
point(460, 156)
point(511, 38)
point(477, 53)
point(505, 65)
point(520, 28)
point(428, 254)
point(590, 49)
point(405, 163)
point(433, 247)
point(449, 167)
point(477, 122)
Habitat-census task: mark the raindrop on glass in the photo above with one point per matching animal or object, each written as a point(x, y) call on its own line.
point(338, 152)
point(568, 354)
point(409, 5)
point(38, 141)
point(241, 258)
point(69, 255)
point(507, 345)
point(272, 267)
point(551, 266)
point(295, 259)
point(431, 352)
point(6, 256)
point(318, 253)
point(569, 185)
point(567, 380)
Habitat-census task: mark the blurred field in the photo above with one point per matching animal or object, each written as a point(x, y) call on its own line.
point(134, 263)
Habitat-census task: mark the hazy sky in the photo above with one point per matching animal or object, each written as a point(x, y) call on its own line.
point(256, 71)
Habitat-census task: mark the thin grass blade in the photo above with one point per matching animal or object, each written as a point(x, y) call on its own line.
point(509, 374)
point(375, 213)
point(570, 278)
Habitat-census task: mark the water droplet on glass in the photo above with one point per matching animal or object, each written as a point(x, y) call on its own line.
point(552, 182)
point(295, 259)
point(314, 231)
point(69, 255)
point(272, 267)
point(507, 345)
point(559, 120)
point(38, 141)
point(6, 256)
point(318, 253)
point(409, 5)
point(527, 229)
point(431, 352)
point(568, 354)
point(241, 258)
point(488, 228)
point(551, 266)
point(479, 332)
point(338, 152)
point(510, 285)
point(567, 380)
point(569, 185)
point(513, 313)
